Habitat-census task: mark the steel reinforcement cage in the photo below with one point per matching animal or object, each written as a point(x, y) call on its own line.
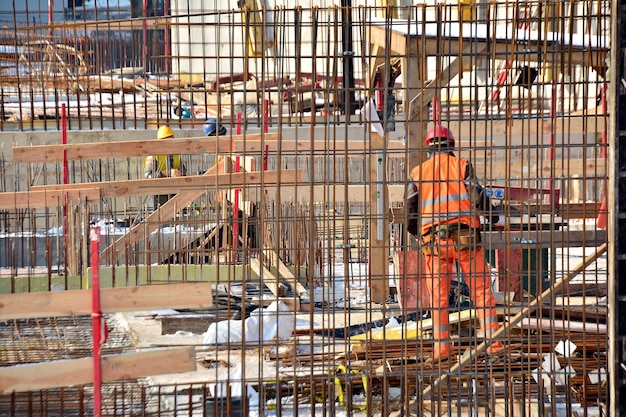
point(319, 300)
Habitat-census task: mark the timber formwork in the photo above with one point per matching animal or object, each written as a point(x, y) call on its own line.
point(280, 264)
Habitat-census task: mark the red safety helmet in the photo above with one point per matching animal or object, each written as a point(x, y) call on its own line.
point(440, 137)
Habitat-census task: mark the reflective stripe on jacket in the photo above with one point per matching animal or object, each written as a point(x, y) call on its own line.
point(443, 194)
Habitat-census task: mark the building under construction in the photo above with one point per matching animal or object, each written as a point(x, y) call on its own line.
point(277, 276)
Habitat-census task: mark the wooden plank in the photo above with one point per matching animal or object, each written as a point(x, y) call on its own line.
point(386, 38)
point(244, 180)
point(270, 280)
point(298, 146)
point(286, 274)
point(111, 25)
point(113, 300)
point(434, 87)
point(560, 326)
point(414, 330)
point(122, 149)
point(378, 257)
point(63, 373)
point(47, 198)
point(398, 36)
point(252, 145)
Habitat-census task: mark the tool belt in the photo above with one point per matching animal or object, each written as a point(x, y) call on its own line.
point(463, 238)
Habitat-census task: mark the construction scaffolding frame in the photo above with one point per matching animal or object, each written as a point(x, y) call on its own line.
point(277, 277)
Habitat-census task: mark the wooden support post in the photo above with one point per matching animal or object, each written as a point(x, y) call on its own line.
point(378, 258)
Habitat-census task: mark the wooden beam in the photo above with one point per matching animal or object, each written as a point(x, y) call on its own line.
point(298, 146)
point(378, 257)
point(111, 25)
point(122, 149)
point(63, 373)
point(249, 146)
point(174, 185)
point(413, 330)
point(270, 280)
point(454, 46)
point(433, 88)
point(297, 288)
point(113, 300)
point(386, 38)
point(47, 198)
point(559, 326)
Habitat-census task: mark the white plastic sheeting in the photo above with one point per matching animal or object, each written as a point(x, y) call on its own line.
point(263, 324)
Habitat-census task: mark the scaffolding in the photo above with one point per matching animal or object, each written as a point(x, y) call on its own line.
point(276, 275)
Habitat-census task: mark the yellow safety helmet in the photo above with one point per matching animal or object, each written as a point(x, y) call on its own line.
point(165, 132)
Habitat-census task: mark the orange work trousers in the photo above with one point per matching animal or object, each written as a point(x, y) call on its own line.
point(477, 274)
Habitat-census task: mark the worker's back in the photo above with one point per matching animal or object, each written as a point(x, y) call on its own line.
point(443, 194)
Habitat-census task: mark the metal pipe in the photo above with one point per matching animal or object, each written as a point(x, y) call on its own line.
point(348, 53)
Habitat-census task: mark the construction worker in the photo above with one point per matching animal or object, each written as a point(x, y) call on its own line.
point(446, 196)
point(212, 128)
point(161, 166)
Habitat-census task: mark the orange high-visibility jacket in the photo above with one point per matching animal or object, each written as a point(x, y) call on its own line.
point(443, 194)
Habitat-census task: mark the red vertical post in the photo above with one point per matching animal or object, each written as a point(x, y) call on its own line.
point(236, 208)
point(266, 115)
point(50, 17)
point(265, 160)
point(604, 112)
point(65, 177)
point(64, 141)
point(239, 123)
point(602, 214)
point(436, 110)
point(96, 321)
